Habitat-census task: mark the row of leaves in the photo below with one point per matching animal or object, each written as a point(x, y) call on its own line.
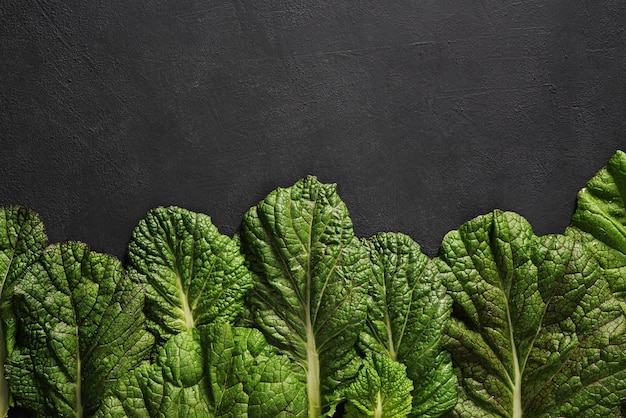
point(297, 316)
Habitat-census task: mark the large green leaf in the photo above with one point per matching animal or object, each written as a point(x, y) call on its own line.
point(80, 327)
point(600, 219)
point(211, 371)
point(407, 318)
point(311, 276)
point(535, 330)
point(194, 275)
point(22, 240)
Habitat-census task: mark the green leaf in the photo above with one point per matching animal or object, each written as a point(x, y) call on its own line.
point(407, 318)
point(310, 290)
point(601, 209)
point(600, 220)
point(211, 371)
point(535, 330)
point(381, 389)
point(272, 386)
point(80, 328)
point(22, 240)
point(174, 386)
point(194, 274)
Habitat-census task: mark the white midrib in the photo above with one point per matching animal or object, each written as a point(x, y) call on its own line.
point(187, 313)
point(392, 349)
point(390, 344)
point(312, 357)
point(378, 412)
point(312, 372)
point(517, 374)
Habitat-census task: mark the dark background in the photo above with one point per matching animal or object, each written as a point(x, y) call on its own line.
point(425, 113)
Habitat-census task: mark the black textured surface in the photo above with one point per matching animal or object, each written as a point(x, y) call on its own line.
point(426, 113)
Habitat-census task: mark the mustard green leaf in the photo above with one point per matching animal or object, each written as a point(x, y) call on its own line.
point(407, 318)
point(535, 329)
point(193, 274)
point(22, 241)
point(600, 220)
point(310, 283)
point(174, 386)
point(80, 328)
point(381, 389)
point(211, 371)
point(601, 208)
point(270, 384)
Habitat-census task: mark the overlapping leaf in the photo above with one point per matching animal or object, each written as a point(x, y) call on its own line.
point(311, 275)
point(381, 389)
point(535, 329)
point(22, 240)
point(194, 274)
point(600, 219)
point(80, 328)
point(214, 371)
point(407, 317)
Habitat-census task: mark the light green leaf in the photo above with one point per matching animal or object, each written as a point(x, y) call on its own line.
point(80, 328)
point(600, 220)
point(535, 330)
point(381, 389)
point(22, 240)
point(211, 371)
point(194, 274)
point(407, 319)
point(311, 275)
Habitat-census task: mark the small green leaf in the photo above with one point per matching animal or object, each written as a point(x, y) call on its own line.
point(381, 389)
point(535, 330)
point(80, 329)
point(311, 275)
point(407, 318)
point(194, 274)
point(22, 240)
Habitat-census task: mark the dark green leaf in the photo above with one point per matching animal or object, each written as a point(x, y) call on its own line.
point(194, 274)
point(407, 319)
point(535, 329)
point(311, 276)
point(80, 328)
point(22, 240)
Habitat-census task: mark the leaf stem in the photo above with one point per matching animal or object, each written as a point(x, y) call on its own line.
point(4, 387)
point(312, 357)
point(517, 374)
point(378, 413)
point(312, 372)
point(187, 313)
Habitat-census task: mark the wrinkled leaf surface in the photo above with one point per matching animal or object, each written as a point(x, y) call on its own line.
point(408, 313)
point(311, 276)
point(80, 329)
point(194, 275)
point(535, 330)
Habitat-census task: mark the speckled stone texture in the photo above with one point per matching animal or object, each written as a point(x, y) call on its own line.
point(426, 113)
